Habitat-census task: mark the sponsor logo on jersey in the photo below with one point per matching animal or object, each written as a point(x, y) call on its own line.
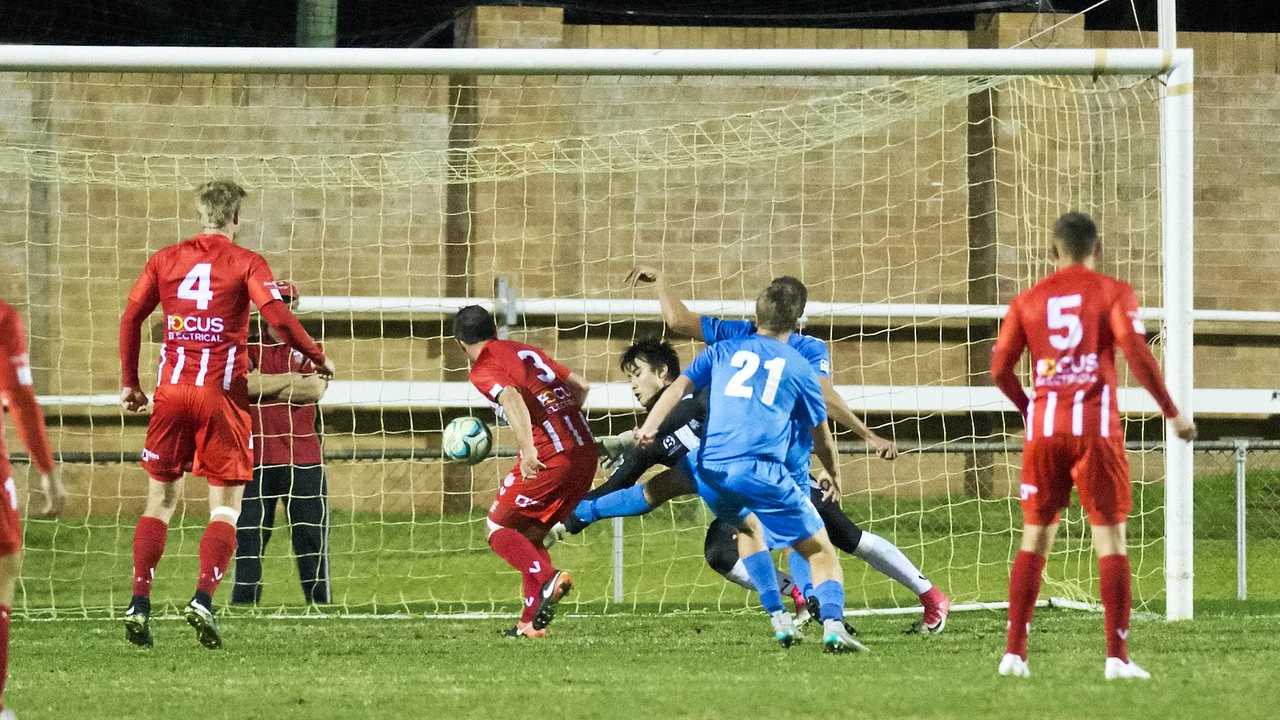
point(196, 328)
point(1067, 370)
point(554, 399)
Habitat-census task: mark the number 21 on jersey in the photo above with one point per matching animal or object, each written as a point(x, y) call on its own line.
point(749, 363)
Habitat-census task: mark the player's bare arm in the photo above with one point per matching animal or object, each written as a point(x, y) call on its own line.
point(1144, 366)
point(824, 446)
point(142, 301)
point(648, 432)
point(289, 387)
point(677, 316)
point(839, 410)
point(522, 425)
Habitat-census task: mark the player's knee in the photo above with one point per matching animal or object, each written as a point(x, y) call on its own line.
point(844, 533)
point(721, 549)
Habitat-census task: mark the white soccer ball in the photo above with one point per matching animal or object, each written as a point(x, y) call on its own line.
point(466, 440)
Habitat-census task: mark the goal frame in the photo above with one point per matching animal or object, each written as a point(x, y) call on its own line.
point(1175, 68)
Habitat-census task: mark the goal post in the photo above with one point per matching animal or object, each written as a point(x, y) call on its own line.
point(674, 162)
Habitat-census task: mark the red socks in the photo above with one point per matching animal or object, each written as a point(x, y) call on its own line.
point(1024, 587)
point(531, 560)
point(1117, 599)
point(4, 650)
point(148, 545)
point(217, 545)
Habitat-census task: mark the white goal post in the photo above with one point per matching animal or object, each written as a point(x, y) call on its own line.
point(1174, 68)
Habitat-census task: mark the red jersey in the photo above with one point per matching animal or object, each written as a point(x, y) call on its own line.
point(558, 423)
point(283, 433)
point(204, 285)
point(1072, 322)
point(16, 389)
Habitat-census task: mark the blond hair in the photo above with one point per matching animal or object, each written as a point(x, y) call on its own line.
point(219, 202)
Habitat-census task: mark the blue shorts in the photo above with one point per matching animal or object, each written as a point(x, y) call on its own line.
point(766, 489)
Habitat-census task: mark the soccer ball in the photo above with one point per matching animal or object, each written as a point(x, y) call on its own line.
point(466, 440)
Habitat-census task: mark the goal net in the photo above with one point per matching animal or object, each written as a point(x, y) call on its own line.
point(909, 206)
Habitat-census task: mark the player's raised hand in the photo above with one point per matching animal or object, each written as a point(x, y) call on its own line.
point(55, 497)
point(641, 275)
point(884, 447)
point(133, 399)
point(1184, 428)
point(832, 485)
point(529, 463)
point(328, 370)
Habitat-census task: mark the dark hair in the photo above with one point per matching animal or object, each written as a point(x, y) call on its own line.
point(657, 354)
point(779, 307)
point(473, 324)
point(1078, 234)
point(795, 284)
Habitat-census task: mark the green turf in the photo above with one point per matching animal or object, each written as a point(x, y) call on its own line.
point(708, 665)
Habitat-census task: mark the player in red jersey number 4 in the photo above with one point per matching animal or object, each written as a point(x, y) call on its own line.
point(542, 401)
point(1072, 322)
point(201, 417)
point(16, 390)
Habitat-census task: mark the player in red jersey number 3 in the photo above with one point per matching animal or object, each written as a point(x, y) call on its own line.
point(1072, 322)
point(201, 417)
point(542, 401)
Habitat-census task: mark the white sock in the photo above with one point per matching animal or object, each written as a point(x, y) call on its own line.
point(885, 557)
point(738, 576)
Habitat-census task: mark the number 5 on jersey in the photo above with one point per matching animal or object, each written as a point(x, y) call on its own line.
point(196, 286)
point(750, 363)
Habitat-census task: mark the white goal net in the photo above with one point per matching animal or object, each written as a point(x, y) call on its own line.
point(908, 205)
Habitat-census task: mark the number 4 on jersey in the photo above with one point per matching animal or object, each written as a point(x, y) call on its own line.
point(195, 286)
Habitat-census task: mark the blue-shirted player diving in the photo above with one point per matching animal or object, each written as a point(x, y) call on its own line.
point(761, 390)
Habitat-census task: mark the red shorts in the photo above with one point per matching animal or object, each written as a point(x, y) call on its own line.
point(10, 521)
point(1095, 466)
point(549, 497)
point(204, 430)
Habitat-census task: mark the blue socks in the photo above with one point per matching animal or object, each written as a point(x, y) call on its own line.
point(830, 600)
point(621, 503)
point(801, 575)
point(765, 578)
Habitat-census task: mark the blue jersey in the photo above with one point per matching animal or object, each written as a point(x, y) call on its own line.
point(814, 350)
point(761, 390)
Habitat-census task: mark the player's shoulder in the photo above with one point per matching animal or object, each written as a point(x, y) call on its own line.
point(807, 344)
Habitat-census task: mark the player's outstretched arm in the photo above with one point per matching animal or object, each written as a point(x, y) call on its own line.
point(296, 388)
point(522, 425)
point(19, 394)
point(839, 410)
point(648, 432)
point(824, 446)
point(1132, 339)
point(677, 316)
point(288, 329)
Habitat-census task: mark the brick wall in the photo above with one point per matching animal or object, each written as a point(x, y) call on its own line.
point(879, 215)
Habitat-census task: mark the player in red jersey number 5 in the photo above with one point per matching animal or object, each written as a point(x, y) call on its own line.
point(200, 422)
point(542, 401)
point(1072, 322)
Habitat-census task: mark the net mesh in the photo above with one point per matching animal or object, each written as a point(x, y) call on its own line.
point(870, 189)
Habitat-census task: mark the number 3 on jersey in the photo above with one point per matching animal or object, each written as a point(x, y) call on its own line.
point(545, 374)
point(195, 286)
point(750, 363)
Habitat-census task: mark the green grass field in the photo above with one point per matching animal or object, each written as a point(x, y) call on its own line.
point(683, 644)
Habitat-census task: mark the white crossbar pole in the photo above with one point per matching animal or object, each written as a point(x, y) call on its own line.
point(564, 61)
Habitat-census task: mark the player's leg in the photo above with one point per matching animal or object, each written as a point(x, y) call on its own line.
point(1102, 478)
point(886, 558)
point(637, 499)
point(149, 539)
point(308, 509)
point(253, 532)
point(10, 567)
point(168, 448)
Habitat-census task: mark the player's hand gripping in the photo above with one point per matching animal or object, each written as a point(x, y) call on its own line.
point(832, 487)
point(328, 369)
point(884, 447)
point(133, 399)
point(1184, 428)
point(55, 497)
point(641, 275)
point(529, 462)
